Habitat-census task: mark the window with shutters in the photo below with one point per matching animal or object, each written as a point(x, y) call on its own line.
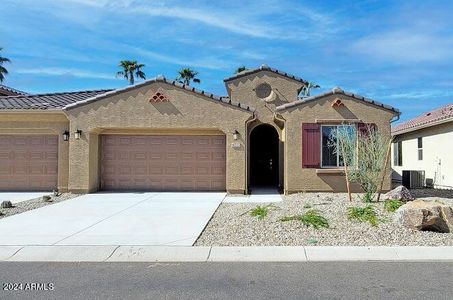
point(330, 158)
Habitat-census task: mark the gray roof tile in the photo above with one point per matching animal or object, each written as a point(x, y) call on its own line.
point(53, 101)
point(9, 91)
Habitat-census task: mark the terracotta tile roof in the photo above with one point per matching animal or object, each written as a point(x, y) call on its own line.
point(8, 91)
point(264, 68)
point(160, 78)
point(335, 90)
point(439, 115)
point(46, 101)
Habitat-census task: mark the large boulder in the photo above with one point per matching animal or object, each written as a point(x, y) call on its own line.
point(399, 193)
point(425, 216)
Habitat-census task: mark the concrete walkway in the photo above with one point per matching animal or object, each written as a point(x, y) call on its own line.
point(258, 195)
point(221, 254)
point(106, 219)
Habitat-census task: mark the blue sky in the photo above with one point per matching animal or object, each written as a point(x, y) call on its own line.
point(397, 52)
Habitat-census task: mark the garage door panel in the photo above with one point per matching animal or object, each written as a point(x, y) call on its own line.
point(28, 162)
point(163, 162)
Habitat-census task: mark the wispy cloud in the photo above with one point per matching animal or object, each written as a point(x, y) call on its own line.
point(208, 62)
point(420, 94)
point(66, 72)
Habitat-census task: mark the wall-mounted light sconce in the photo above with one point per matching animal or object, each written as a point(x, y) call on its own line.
point(78, 134)
point(66, 136)
point(235, 135)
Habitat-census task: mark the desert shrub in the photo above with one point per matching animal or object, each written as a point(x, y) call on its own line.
point(363, 214)
point(310, 218)
point(392, 205)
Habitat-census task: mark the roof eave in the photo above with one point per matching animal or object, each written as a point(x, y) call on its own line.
point(422, 126)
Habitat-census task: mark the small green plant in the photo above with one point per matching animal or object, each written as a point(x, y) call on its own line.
point(307, 205)
point(259, 211)
point(367, 197)
point(310, 218)
point(312, 241)
point(392, 205)
point(363, 214)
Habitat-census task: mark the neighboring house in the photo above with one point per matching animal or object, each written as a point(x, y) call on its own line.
point(164, 136)
point(7, 91)
point(423, 149)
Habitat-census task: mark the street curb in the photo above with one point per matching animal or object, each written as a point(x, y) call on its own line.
point(116, 253)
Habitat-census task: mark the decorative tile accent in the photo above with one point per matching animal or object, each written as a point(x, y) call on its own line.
point(159, 96)
point(337, 102)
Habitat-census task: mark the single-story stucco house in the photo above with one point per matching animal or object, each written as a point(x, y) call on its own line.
point(161, 135)
point(423, 150)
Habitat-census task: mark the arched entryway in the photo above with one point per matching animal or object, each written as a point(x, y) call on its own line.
point(264, 157)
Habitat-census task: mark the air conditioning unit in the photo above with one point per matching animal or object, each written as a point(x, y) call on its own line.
point(414, 179)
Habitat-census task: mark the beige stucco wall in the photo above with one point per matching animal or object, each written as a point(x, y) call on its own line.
point(242, 89)
point(31, 122)
point(298, 178)
point(131, 112)
point(437, 154)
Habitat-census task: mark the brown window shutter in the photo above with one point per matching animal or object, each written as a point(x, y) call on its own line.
point(364, 128)
point(311, 148)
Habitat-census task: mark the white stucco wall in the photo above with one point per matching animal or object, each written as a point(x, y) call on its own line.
point(437, 154)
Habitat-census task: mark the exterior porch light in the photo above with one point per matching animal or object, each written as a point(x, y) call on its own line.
point(78, 134)
point(65, 135)
point(235, 135)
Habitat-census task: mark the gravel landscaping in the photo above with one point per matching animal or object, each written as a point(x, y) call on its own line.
point(232, 224)
point(34, 203)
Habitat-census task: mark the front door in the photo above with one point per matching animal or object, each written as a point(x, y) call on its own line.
point(264, 156)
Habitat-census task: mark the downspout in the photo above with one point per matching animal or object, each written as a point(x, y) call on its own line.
point(247, 175)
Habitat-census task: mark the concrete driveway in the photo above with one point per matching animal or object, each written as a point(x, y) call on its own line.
point(114, 219)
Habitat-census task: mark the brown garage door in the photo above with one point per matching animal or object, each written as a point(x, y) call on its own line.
point(28, 162)
point(163, 163)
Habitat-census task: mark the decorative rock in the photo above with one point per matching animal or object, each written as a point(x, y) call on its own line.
point(399, 193)
point(6, 204)
point(46, 198)
point(425, 216)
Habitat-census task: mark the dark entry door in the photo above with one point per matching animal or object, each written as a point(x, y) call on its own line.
point(264, 162)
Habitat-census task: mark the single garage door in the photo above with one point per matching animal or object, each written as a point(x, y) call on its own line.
point(163, 163)
point(28, 162)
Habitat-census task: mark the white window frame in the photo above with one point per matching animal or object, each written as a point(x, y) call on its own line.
point(338, 154)
point(419, 149)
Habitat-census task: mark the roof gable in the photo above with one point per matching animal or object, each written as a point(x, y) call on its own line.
point(334, 91)
point(162, 79)
point(261, 69)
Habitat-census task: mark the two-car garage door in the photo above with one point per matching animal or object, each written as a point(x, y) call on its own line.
point(28, 162)
point(163, 162)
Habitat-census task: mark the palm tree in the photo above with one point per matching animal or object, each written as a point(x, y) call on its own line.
point(307, 87)
point(240, 69)
point(186, 75)
point(3, 70)
point(131, 69)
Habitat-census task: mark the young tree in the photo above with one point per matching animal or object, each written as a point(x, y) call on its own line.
point(364, 153)
point(307, 88)
point(186, 75)
point(3, 70)
point(131, 69)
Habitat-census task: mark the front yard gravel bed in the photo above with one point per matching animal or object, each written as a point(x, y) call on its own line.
point(33, 204)
point(232, 225)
